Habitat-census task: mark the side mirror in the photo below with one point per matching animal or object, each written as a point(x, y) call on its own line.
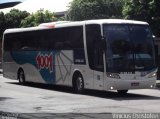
point(103, 43)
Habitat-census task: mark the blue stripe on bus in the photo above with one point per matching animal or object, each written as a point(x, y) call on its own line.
point(44, 61)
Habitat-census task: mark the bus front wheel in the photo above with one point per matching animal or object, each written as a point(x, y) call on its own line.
point(78, 83)
point(21, 77)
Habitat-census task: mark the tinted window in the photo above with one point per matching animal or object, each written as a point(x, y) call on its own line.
point(65, 38)
point(95, 53)
point(60, 39)
point(129, 48)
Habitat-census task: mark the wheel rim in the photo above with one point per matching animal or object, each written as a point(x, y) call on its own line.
point(79, 83)
point(21, 77)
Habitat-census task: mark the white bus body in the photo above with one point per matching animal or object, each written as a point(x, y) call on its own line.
point(106, 54)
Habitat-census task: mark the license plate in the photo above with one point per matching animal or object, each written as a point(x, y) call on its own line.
point(135, 84)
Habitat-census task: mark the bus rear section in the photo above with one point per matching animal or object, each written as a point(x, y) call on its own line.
point(43, 55)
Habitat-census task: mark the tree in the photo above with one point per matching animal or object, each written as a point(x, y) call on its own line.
point(95, 9)
point(39, 17)
point(11, 20)
point(2, 24)
point(144, 10)
point(14, 17)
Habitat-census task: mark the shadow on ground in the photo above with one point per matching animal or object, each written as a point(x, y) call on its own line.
point(101, 94)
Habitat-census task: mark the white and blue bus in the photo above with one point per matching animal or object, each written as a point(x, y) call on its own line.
point(108, 54)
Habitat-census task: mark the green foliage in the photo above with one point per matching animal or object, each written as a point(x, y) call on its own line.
point(39, 17)
point(14, 17)
point(138, 9)
point(2, 24)
point(11, 20)
point(95, 9)
point(144, 10)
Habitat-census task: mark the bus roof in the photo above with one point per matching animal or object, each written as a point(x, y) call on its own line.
point(100, 21)
point(116, 21)
point(16, 30)
point(60, 24)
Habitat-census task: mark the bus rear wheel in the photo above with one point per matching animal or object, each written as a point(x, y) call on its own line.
point(122, 92)
point(78, 83)
point(21, 77)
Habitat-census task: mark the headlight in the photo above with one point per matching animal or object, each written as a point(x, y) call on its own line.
point(154, 74)
point(113, 75)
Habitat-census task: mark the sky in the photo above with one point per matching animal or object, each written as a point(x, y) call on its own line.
point(33, 5)
point(4, 1)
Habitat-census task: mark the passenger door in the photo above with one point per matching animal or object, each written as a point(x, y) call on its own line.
point(98, 68)
point(95, 54)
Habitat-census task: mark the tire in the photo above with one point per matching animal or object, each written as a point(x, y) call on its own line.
point(122, 92)
point(78, 83)
point(21, 77)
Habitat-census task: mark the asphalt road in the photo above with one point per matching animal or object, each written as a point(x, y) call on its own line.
point(36, 98)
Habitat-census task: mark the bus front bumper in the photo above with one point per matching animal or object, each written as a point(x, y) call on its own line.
point(124, 84)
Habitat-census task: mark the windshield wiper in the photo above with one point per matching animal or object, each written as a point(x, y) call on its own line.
point(136, 67)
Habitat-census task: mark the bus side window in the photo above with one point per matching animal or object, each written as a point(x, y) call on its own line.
point(94, 50)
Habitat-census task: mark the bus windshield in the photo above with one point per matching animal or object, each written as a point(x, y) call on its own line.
point(129, 48)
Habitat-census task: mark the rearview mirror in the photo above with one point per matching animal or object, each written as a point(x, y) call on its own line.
point(103, 43)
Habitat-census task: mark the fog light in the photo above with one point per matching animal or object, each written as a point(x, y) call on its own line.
point(151, 86)
point(111, 88)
